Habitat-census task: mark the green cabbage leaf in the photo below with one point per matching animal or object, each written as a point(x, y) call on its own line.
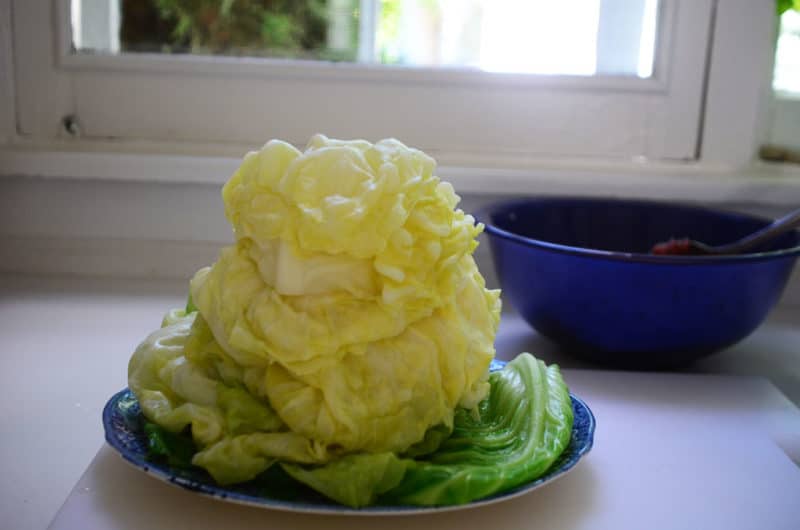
point(518, 433)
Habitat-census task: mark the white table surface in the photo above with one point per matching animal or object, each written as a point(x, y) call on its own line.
point(671, 451)
point(65, 344)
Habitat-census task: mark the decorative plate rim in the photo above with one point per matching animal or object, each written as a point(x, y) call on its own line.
point(163, 472)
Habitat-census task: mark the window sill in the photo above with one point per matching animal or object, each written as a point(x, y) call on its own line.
point(763, 183)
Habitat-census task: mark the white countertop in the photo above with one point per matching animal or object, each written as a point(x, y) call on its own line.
point(65, 344)
point(662, 460)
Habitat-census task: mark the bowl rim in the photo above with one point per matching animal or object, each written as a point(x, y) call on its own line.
point(483, 215)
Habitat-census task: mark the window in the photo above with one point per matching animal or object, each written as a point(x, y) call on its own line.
point(463, 115)
point(585, 37)
point(786, 80)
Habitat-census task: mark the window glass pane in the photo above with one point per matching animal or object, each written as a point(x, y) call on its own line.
point(787, 56)
point(580, 37)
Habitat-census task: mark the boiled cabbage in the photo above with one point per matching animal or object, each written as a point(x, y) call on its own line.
point(348, 317)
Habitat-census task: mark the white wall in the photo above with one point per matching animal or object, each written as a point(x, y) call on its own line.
point(163, 230)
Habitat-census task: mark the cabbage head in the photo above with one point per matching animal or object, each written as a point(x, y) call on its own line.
point(347, 317)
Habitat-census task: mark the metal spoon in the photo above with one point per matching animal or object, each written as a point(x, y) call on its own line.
point(686, 246)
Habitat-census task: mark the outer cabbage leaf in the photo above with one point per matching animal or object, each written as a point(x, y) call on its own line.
point(241, 458)
point(237, 434)
point(175, 449)
point(522, 428)
point(353, 480)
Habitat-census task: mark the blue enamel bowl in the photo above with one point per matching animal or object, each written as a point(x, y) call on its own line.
point(579, 271)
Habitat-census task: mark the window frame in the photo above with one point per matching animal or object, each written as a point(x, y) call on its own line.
point(548, 117)
point(739, 85)
point(7, 96)
point(734, 116)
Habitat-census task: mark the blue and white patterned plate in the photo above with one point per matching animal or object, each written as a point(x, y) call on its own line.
point(123, 423)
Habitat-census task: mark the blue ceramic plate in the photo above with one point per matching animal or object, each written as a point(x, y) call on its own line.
point(123, 423)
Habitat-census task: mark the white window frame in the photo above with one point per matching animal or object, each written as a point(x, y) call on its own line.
point(739, 86)
point(150, 99)
point(732, 115)
point(7, 96)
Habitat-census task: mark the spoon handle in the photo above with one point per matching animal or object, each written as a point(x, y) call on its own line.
point(774, 229)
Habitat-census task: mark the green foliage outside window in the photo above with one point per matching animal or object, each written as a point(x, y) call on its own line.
point(786, 5)
point(274, 28)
